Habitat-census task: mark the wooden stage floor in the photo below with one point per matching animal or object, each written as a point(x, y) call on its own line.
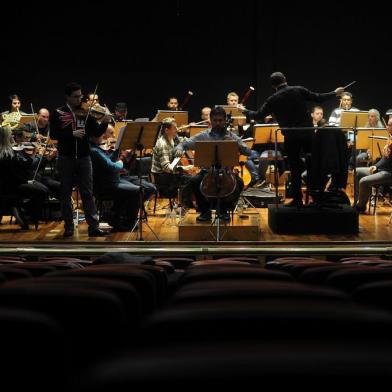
point(373, 229)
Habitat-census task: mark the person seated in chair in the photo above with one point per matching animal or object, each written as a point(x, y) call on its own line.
point(107, 181)
point(14, 180)
point(218, 131)
point(380, 173)
point(170, 177)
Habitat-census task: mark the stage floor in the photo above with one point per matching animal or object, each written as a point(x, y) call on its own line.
point(373, 229)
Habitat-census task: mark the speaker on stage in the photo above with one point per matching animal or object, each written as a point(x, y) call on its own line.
point(317, 219)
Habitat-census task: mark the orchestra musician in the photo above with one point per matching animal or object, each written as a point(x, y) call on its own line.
point(71, 127)
point(15, 104)
point(14, 180)
point(205, 114)
point(378, 174)
point(232, 99)
point(218, 131)
point(107, 181)
point(41, 156)
point(317, 115)
point(346, 103)
point(288, 106)
point(120, 111)
point(167, 175)
point(172, 103)
point(42, 124)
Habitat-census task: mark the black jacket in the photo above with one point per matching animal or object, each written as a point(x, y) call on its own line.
point(288, 106)
point(63, 122)
point(14, 172)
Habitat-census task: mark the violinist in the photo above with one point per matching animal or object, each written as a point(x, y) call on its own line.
point(39, 128)
point(72, 127)
point(167, 175)
point(41, 155)
point(107, 181)
point(379, 174)
point(14, 180)
point(218, 131)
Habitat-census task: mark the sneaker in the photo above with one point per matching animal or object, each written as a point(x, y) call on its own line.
point(204, 216)
point(98, 233)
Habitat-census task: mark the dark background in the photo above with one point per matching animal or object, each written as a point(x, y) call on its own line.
point(144, 53)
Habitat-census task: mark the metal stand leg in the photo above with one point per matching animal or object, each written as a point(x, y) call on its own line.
point(141, 216)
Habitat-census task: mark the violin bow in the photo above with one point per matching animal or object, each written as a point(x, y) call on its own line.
point(35, 120)
point(90, 107)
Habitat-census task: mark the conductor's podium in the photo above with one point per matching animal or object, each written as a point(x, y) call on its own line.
point(244, 227)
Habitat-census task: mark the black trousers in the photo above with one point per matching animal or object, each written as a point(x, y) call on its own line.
point(295, 143)
point(77, 171)
point(203, 204)
point(37, 193)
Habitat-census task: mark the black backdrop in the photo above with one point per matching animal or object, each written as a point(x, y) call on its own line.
point(155, 50)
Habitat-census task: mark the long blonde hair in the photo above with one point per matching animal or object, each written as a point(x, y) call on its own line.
point(6, 150)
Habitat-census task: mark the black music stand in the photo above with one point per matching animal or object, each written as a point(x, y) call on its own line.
point(218, 155)
point(139, 136)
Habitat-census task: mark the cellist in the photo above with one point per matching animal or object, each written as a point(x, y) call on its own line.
point(218, 131)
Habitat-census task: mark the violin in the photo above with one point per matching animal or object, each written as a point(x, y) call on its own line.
point(97, 111)
point(28, 148)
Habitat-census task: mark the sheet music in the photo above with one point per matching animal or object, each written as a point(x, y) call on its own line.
point(119, 138)
point(174, 163)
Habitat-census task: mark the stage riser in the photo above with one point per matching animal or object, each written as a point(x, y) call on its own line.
point(311, 220)
point(239, 230)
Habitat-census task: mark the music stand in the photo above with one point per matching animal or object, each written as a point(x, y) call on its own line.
point(138, 136)
point(217, 155)
point(351, 119)
point(269, 134)
point(117, 126)
point(181, 116)
point(265, 134)
point(376, 142)
point(233, 113)
point(26, 118)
